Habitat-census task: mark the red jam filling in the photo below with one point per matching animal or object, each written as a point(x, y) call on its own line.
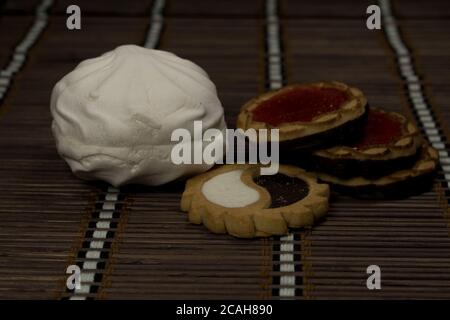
point(381, 129)
point(302, 104)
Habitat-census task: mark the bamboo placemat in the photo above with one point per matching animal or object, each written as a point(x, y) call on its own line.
point(149, 250)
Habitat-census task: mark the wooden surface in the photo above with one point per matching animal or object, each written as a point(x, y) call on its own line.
point(155, 252)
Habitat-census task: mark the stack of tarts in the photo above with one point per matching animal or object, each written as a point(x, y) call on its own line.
point(328, 135)
point(329, 129)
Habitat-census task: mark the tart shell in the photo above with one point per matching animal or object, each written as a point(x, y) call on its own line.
point(399, 184)
point(307, 134)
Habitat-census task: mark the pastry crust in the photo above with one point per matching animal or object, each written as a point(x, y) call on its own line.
point(256, 219)
point(352, 109)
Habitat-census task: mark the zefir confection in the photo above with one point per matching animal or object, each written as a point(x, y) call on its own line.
point(113, 115)
point(307, 115)
point(237, 200)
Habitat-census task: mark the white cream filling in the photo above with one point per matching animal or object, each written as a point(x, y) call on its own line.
point(227, 190)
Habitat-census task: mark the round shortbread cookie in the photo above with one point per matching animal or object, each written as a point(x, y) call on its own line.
point(236, 199)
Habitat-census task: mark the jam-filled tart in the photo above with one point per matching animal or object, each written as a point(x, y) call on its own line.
point(237, 200)
point(388, 142)
point(307, 115)
point(398, 184)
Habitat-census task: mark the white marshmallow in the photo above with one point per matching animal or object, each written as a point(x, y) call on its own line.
point(113, 115)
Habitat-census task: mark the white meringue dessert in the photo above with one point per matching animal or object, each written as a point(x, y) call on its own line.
point(113, 115)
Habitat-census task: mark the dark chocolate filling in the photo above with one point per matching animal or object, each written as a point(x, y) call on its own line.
point(284, 190)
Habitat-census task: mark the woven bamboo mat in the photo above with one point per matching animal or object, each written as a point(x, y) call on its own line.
point(50, 218)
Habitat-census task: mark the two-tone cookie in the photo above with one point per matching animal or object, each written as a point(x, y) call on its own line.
point(236, 199)
point(307, 115)
point(402, 183)
point(388, 142)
